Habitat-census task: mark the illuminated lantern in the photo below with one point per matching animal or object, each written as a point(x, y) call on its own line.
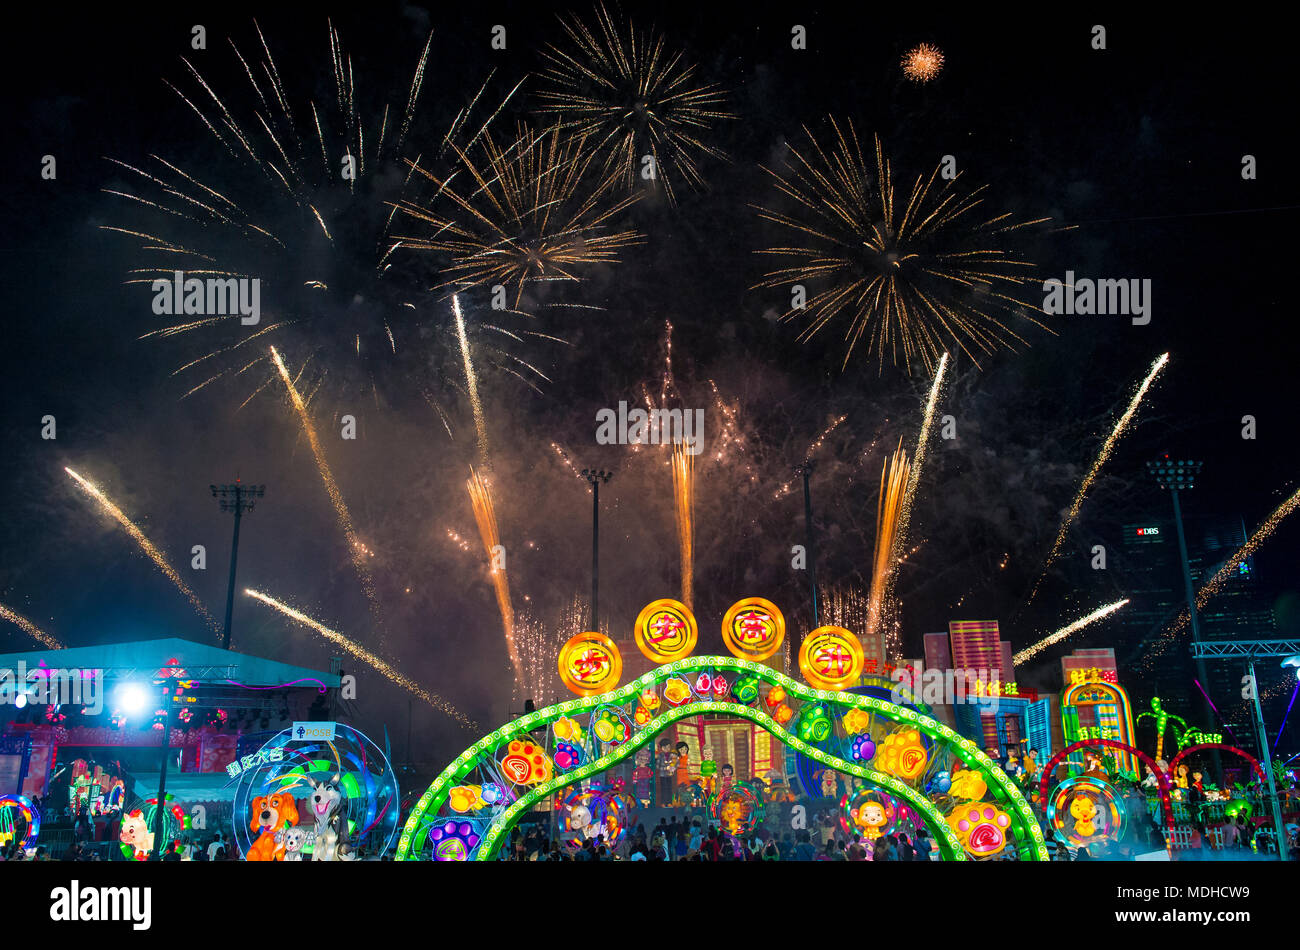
point(783, 714)
point(568, 756)
point(940, 784)
point(862, 748)
point(856, 721)
point(831, 658)
point(981, 828)
point(665, 631)
point(753, 629)
point(719, 686)
point(650, 698)
point(453, 841)
point(814, 723)
point(491, 793)
point(609, 725)
point(903, 755)
point(1238, 806)
point(775, 697)
point(590, 663)
point(969, 784)
point(641, 716)
point(526, 763)
point(677, 691)
point(746, 689)
point(704, 683)
point(465, 798)
point(567, 729)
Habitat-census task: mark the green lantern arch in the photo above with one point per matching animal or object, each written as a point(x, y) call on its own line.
point(478, 829)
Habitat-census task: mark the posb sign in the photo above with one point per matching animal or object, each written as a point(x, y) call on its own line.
point(318, 731)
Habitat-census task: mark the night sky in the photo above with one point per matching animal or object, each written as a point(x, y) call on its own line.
point(1138, 147)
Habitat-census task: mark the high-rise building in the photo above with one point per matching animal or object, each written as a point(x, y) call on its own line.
point(938, 651)
point(1006, 665)
point(1149, 564)
point(975, 644)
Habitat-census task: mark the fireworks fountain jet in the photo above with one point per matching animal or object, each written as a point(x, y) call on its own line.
point(900, 509)
point(147, 546)
point(433, 699)
point(471, 382)
point(28, 627)
point(684, 506)
point(1227, 571)
point(893, 482)
point(1102, 457)
point(356, 550)
point(1068, 629)
point(480, 496)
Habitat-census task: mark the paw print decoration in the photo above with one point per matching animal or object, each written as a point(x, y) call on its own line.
point(609, 725)
point(862, 748)
point(981, 828)
point(568, 756)
point(526, 763)
point(902, 754)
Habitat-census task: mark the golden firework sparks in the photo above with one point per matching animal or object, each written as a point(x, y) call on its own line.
point(361, 653)
point(684, 510)
point(922, 62)
point(29, 628)
point(1103, 455)
point(531, 210)
point(357, 551)
point(146, 546)
point(480, 496)
point(1068, 629)
point(471, 383)
point(911, 276)
point(620, 88)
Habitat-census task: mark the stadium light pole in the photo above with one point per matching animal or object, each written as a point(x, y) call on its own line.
point(236, 498)
point(1174, 475)
point(594, 477)
point(805, 470)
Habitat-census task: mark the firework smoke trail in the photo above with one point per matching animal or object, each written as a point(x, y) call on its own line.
point(28, 627)
point(480, 496)
point(1228, 571)
point(471, 383)
point(684, 506)
point(1102, 457)
point(893, 486)
point(147, 546)
point(1068, 629)
point(356, 550)
point(433, 699)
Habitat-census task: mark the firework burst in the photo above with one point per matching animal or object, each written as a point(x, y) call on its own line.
point(146, 546)
point(299, 197)
point(922, 63)
point(632, 99)
point(29, 628)
point(889, 510)
point(909, 277)
point(530, 210)
point(361, 653)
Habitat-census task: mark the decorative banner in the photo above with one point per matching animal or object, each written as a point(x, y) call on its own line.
point(590, 663)
point(831, 658)
point(666, 631)
point(753, 628)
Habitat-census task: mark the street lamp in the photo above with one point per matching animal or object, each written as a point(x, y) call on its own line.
point(594, 477)
point(1175, 475)
point(235, 498)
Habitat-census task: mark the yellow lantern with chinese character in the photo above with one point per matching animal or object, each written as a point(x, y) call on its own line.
point(753, 628)
point(831, 658)
point(590, 663)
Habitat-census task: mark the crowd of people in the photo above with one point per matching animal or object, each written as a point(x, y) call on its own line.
point(694, 840)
